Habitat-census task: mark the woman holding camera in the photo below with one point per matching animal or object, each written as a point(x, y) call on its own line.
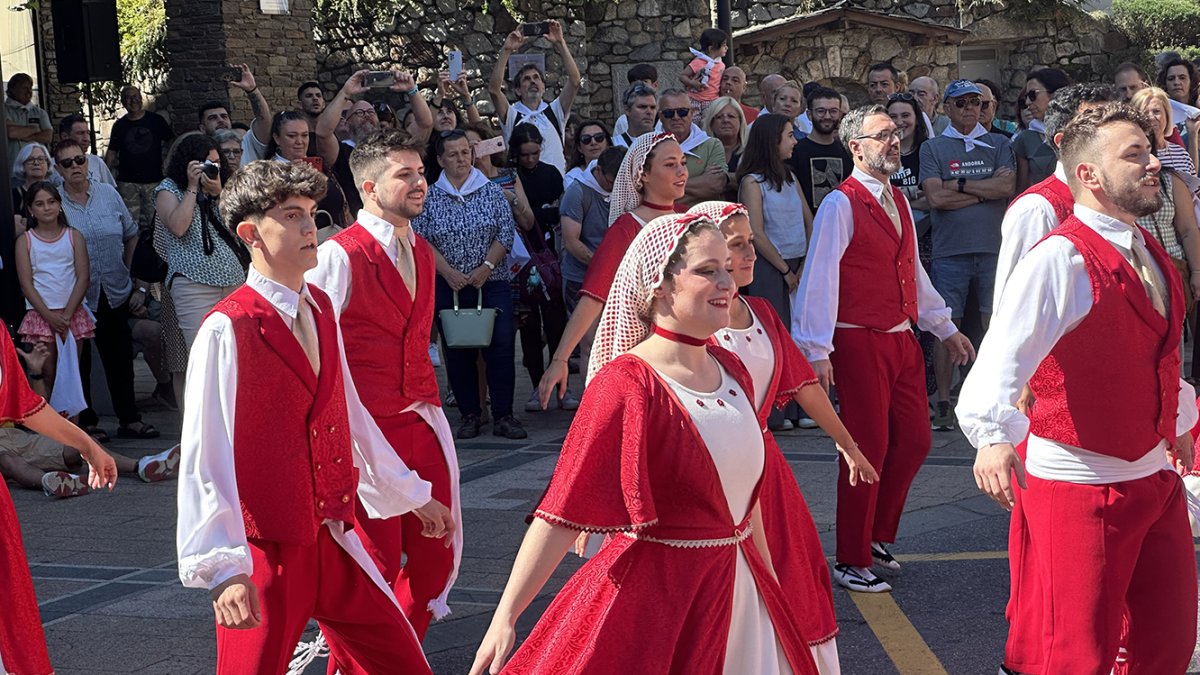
point(205, 262)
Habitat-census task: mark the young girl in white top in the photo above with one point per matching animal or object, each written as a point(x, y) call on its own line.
point(52, 266)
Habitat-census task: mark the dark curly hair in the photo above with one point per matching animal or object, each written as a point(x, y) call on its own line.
point(193, 148)
point(260, 186)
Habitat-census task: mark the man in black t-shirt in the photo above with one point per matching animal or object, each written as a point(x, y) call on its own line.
point(819, 160)
point(135, 154)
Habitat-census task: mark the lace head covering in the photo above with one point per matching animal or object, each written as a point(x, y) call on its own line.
point(625, 191)
point(626, 318)
point(719, 212)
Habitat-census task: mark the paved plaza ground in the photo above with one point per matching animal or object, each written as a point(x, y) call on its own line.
point(104, 564)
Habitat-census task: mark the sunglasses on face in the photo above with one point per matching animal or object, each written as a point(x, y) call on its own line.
point(453, 133)
point(1032, 94)
point(672, 113)
point(588, 139)
point(961, 103)
point(78, 160)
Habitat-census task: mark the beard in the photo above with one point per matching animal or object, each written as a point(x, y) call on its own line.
point(879, 161)
point(824, 126)
point(403, 207)
point(1128, 197)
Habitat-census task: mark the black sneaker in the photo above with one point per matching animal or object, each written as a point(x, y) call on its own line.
point(943, 418)
point(469, 427)
point(509, 427)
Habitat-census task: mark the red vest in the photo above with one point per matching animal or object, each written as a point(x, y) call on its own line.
point(291, 440)
point(878, 272)
point(1057, 193)
point(386, 332)
point(1111, 385)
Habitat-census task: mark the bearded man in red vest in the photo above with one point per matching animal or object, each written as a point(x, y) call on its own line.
point(1031, 216)
point(277, 451)
point(1091, 319)
point(861, 293)
point(379, 276)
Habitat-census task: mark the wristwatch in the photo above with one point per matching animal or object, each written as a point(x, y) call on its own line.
point(962, 183)
point(489, 264)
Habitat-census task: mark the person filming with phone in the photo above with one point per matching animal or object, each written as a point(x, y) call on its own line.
point(529, 84)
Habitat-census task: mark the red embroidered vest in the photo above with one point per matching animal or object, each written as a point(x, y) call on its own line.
point(291, 440)
point(878, 273)
point(386, 332)
point(1057, 193)
point(1111, 385)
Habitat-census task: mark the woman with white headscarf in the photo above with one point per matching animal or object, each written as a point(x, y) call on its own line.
point(652, 177)
point(781, 374)
point(687, 552)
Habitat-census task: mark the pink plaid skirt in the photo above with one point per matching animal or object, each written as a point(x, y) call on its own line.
point(35, 329)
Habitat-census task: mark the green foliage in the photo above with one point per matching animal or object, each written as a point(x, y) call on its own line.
point(143, 28)
point(1157, 23)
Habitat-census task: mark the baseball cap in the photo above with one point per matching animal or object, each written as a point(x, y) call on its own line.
point(961, 88)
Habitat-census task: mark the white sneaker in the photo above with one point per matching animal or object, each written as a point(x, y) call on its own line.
point(434, 355)
point(61, 485)
point(806, 423)
point(159, 467)
point(569, 401)
point(533, 405)
point(859, 579)
point(883, 557)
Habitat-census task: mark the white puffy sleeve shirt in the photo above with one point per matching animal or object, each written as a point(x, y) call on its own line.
point(815, 304)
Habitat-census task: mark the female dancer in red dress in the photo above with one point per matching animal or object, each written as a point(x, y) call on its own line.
point(782, 374)
point(22, 643)
point(651, 179)
point(666, 453)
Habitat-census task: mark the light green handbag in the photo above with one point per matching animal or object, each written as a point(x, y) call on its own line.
point(468, 328)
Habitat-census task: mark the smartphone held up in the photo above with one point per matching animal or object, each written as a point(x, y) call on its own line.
point(535, 29)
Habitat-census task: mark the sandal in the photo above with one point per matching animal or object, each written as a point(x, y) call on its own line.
point(143, 431)
point(99, 435)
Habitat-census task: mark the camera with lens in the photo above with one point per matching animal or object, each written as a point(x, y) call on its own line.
point(210, 169)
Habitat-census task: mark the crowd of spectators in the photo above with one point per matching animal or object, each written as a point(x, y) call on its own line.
point(530, 187)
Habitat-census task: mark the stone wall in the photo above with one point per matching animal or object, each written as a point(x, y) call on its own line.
point(205, 36)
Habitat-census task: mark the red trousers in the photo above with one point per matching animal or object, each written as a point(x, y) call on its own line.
point(429, 561)
point(1101, 551)
point(881, 386)
point(366, 633)
point(1023, 651)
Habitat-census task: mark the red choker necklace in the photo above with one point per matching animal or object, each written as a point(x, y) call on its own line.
point(658, 207)
point(679, 337)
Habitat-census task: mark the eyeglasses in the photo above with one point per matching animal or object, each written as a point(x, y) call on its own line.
point(35, 160)
point(1032, 94)
point(826, 112)
point(77, 160)
point(362, 113)
point(588, 139)
point(901, 96)
point(672, 113)
point(232, 152)
point(883, 137)
point(961, 103)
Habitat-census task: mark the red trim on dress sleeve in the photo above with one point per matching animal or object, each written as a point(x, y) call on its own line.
point(601, 482)
point(784, 397)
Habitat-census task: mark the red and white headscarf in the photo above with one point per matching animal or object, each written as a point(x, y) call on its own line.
point(626, 318)
point(719, 212)
point(626, 191)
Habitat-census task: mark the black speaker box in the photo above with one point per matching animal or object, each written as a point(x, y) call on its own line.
point(86, 42)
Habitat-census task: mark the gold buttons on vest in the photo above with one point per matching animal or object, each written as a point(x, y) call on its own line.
point(337, 460)
point(314, 433)
point(345, 499)
point(320, 503)
point(332, 428)
point(318, 466)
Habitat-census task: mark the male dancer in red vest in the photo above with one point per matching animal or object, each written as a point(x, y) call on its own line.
point(379, 275)
point(276, 447)
point(859, 297)
point(1092, 320)
point(1031, 216)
